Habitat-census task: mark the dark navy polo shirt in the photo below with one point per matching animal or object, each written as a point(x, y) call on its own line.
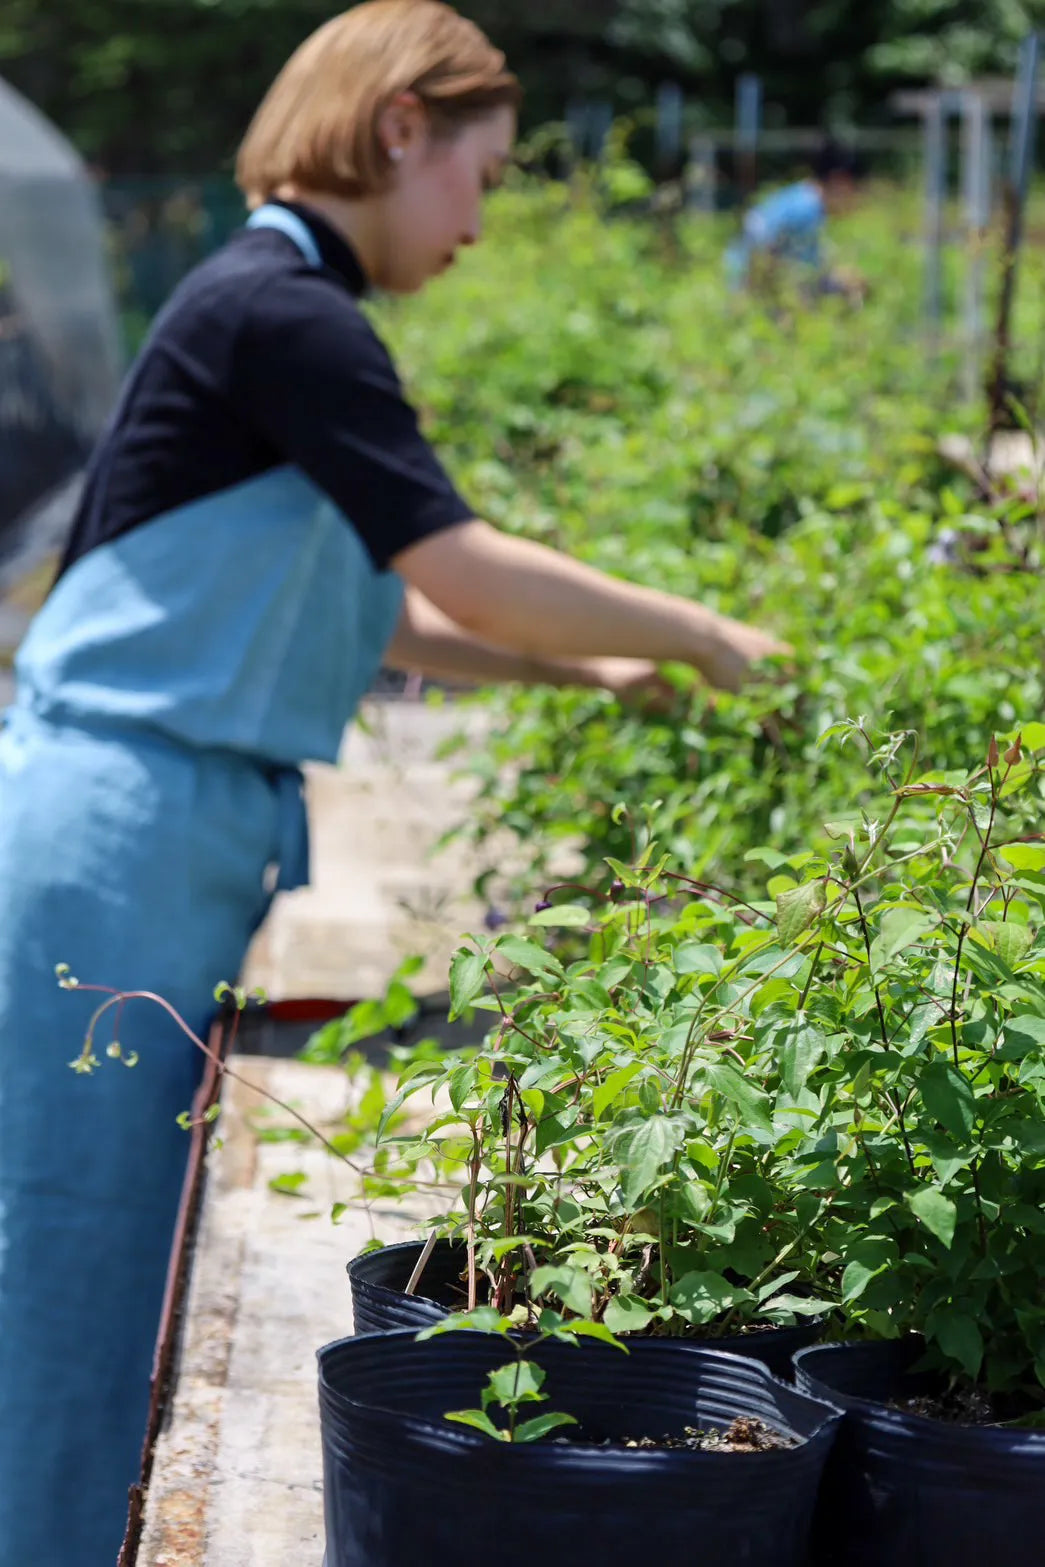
point(259, 360)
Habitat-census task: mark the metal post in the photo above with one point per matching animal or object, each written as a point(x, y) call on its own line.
point(1021, 147)
point(670, 104)
point(934, 195)
point(748, 121)
point(600, 123)
point(577, 126)
point(1024, 105)
point(702, 174)
point(976, 191)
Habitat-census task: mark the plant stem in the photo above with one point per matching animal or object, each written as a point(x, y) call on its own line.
point(473, 1185)
point(117, 999)
point(896, 1109)
point(720, 1177)
point(812, 972)
point(984, 845)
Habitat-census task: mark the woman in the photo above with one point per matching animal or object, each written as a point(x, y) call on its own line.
point(262, 525)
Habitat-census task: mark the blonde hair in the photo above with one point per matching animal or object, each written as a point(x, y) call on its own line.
point(317, 124)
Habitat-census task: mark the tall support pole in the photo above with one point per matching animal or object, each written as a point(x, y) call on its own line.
point(577, 127)
point(976, 191)
point(748, 124)
point(600, 123)
point(1021, 153)
point(702, 175)
point(935, 175)
point(670, 105)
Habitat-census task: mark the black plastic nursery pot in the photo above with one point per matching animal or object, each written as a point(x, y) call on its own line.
point(404, 1487)
point(378, 1281)
point(901, 1490)
point(380, 1304)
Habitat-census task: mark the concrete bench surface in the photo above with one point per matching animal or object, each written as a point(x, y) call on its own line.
point(237, 1474)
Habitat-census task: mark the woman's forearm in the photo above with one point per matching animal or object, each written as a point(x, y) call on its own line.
point(428, 642)
point(522, 595)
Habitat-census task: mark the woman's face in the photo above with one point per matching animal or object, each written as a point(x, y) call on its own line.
point(434, 205)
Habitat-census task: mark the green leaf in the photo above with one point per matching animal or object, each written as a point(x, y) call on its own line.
point(702, 1295)
point(1009, 940)
point(589, 993)
point(518, 1382)
point(627, 1314)
point(399, 1005)
point(644, 1151)
point(799, 1048)
point(899, 929)
point(1024, 856)
point(574, 1329)
point(937, 1212)
point(1027, 1135)
point(1023, 1036)
point(866, 1260)
point(947, 1159)
point(570, 1285)
point(567, 915)
point(613, 1087)
point(462, 1081)
point(753, 1104)
point(947, 1096)
point(555, 1130)
point(289, 1185)
point(798, 1305)
point(483, 1319)
point(960, 1339)
point(798, 908)
point(624, 873)
point(529, 956)
point(1033, 737)
point(467, 975)
point(509, 1243)
point(481, 1422)
point(540, 1425)
point(694, 957)
point(769, 857)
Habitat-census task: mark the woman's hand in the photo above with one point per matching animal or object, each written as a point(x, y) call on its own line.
point(637, 683)
point(733, 648)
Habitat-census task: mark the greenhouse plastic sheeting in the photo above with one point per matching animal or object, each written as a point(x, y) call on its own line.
point(59, 347)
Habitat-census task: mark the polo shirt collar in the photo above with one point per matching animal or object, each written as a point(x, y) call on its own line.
point(337, 254)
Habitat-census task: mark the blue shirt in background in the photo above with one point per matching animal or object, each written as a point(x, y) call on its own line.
point(787, 225)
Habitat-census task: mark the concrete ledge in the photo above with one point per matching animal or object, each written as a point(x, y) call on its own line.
point(237, 1474)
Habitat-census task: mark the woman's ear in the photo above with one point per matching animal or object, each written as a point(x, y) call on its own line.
point(402, 126)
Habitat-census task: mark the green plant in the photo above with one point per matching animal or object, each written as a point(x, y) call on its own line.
point(696, 1112)
point(521, 1380)
point(933, 1147)
point(591, 386)
point(622, 1161)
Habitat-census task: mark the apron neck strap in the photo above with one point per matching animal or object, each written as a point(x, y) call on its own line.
point(272, 217)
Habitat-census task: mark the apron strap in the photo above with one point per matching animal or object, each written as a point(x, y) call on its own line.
point(272, 217)
point(289, 782)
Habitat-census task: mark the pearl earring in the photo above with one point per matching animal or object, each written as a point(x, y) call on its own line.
point(395, 153)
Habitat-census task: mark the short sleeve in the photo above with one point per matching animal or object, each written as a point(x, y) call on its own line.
point(317, 382)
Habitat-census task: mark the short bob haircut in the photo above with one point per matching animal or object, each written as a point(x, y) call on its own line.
point(317, 125)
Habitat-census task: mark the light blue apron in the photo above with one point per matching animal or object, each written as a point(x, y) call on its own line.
point(149, 791)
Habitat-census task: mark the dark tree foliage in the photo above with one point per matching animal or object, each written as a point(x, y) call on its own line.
point(167, 86)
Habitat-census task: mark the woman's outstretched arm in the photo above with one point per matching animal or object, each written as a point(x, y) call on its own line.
point(430, 643)
point(523, 596)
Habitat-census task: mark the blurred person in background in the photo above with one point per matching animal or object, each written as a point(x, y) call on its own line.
point(783, 234)
point(263, 524)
